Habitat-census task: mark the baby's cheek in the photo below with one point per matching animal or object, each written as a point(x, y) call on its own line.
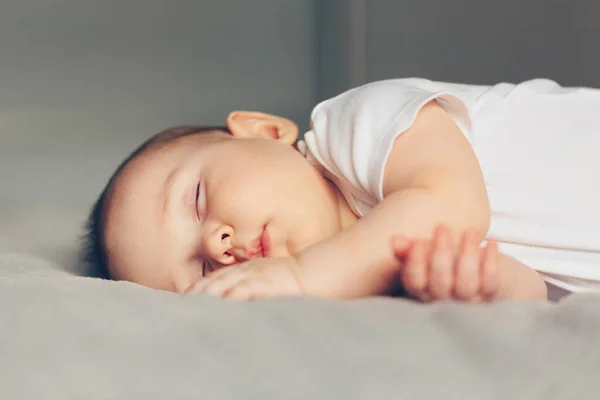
point(243, 202)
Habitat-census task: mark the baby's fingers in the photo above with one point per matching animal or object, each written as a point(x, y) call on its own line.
point(441, 274)
point(467, 284)
point(218, 283)
point(490, 271)
point(401, 247)
point(415, 274)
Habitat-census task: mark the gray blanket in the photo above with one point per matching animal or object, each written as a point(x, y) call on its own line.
point(68, 337)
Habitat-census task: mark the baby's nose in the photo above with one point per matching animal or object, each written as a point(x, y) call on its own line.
point(218, 246)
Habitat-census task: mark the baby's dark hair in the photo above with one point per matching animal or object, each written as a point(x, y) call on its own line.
point(93, 249)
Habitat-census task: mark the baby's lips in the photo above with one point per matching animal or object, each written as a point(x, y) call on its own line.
point(254, 249)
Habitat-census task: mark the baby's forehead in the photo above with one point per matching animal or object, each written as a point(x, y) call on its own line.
point(133, 206)
point(151, 166)
point(164, 152)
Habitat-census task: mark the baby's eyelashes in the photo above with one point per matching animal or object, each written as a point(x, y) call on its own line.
point(200, 201)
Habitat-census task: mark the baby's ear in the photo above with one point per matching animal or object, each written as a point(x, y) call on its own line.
point(250, 124)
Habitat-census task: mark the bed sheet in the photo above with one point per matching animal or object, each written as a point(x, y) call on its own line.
point(68, 337)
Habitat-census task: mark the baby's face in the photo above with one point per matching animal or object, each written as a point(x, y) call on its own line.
point(207, 201)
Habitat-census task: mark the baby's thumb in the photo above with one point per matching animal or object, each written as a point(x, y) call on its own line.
point(400, 246)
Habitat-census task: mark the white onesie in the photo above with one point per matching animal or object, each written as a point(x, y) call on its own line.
point(538, 145)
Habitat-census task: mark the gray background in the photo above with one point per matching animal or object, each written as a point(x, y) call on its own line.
point(83, 82)
point(92, 79)
point(485, 41)
point(479, 42)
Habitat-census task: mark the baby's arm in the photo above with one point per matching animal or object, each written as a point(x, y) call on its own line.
point(432, 177)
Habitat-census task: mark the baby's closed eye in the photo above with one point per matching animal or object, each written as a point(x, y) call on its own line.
point(200, 201)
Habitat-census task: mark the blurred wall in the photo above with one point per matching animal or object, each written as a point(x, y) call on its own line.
point(485, 41)
point(480, 42)
point(189, 59)
point(92, 79)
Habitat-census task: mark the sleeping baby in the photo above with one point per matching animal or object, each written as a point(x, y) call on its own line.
point(441, 191)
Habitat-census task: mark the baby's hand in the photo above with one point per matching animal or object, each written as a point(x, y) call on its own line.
point(259, 278)
point(443, 270)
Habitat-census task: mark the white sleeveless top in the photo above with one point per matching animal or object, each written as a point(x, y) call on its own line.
point(538, 145)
